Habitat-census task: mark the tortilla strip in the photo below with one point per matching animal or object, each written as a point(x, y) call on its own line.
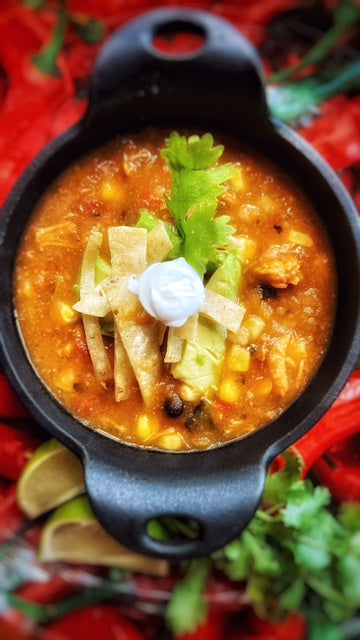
point(128, 247)
point(124, 303)
point(98, 354)
point(141, 344)
point(189, 330)
point(92, 300)
point(174, 347)
point(158, 243)
point(123, 373)
point(94, 304)
point(222, 310)
point(91, 252)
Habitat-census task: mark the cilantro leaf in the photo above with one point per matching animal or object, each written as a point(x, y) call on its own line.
point(148, 221)
point(280, 484)
point(192, 153)
point(349, 516)
point(304, 504)
point(196, 187)
point(187, 608)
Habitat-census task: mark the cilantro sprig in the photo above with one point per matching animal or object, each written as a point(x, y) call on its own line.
point(296, 554)
point(197, 184)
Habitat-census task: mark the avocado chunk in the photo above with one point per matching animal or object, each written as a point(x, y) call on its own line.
point(201, 362)
point(226, 279)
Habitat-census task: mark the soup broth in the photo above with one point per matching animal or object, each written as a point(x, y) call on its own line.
point(259, 333)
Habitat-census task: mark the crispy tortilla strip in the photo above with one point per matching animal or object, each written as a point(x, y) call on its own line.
point(189, 330)
point(222, 310)
point(158, 244)
point(161, 332)
point(94, 304)
point(92, 300)
point(128, 247)
point(124, 376)
point(142, 346)
point(174, 347)
point(98, 354)
point(124, 304)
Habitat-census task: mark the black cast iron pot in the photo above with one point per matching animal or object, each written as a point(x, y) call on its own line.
point(217, 88)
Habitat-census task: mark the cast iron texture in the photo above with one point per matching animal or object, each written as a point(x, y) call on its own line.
point(218, 88)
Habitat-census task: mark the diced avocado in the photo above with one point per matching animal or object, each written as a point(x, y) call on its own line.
point(102, 270)
point(147, 220)
point(226, 279)
point(201, 362)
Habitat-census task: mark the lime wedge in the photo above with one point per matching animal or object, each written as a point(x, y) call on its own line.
point(52, 476)
point(72, 534)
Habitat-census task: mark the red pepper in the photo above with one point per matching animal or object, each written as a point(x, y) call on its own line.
point(9, 631)
point(212, 629)
point(339, 469)
point(51, 591)
point(294, 627)
point(99, 622)
point(342, 421)
point(11, 518)
point(16, 446)
point(351, 391)
point(10, 405)
point(337, 143)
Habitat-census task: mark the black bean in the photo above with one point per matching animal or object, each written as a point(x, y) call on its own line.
point(174, 406)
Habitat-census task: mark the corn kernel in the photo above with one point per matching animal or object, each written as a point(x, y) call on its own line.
point(145, 427)
point(111, 190)
point(239, 358)
point(241, 337)
point(245, 248)
point(238, 180)
point(300, 238)
point(66, 350)
point(171, 440)
point(297, 349)
point(229, 391)
point(267, 204)
point(27, 289)
point(262, 387)
point(66, 380)
point(254, 324)
point(67, 314)
point(187, 393)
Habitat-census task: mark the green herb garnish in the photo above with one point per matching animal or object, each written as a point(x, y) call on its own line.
point(196, 187)
point(295, 555)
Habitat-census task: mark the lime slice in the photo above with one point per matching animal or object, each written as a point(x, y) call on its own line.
point(52, 476)
point(72, 534)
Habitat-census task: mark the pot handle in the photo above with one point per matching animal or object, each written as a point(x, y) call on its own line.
point(131, 70)
point(129, 487)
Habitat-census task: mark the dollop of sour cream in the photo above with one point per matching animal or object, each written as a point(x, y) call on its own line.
point(170, 291)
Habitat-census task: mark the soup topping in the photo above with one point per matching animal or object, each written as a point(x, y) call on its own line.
point(171, 292)
point(205, 297)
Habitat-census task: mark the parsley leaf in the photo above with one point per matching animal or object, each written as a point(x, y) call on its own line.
point(196, 187)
